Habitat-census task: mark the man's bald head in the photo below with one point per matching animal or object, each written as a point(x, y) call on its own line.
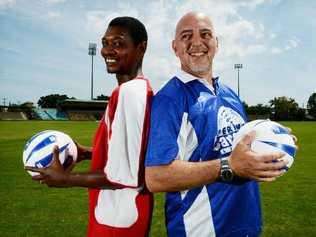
point(195, 44)
point(193, 17)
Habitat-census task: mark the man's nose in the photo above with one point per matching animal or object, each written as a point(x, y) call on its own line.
point(107, 51)
point(196, 40)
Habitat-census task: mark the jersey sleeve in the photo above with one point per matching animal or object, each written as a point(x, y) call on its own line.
point(165, 122)
point(126, 146)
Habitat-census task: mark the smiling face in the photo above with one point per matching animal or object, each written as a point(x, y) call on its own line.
point(120, 53)
point(195, 44)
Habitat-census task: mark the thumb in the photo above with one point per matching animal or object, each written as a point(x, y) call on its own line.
point(249, 137)
point(56, 162)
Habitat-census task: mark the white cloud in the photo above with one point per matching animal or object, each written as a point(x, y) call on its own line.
point(7, 3)
point(252, 4)
point(291, 44)
point(272, 35)
point(276, 50)
point(54, 1)
point(53, 15)
point(239, 37)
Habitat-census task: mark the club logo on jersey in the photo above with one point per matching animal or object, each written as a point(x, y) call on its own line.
point(228, 124)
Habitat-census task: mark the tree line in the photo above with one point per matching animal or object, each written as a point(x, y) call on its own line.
point(279, 108)
point(51, 101)
point(284, 108)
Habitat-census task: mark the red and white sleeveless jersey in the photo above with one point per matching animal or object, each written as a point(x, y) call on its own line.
point(119, 149)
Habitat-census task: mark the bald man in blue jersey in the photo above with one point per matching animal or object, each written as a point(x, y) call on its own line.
point(211, 190)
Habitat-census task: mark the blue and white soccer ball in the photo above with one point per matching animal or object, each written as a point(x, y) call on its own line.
point(38, 151)
point(270, 137)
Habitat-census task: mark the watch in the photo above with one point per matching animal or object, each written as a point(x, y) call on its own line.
point(227, 174)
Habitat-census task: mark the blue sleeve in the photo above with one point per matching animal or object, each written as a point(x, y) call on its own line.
point(165, 125)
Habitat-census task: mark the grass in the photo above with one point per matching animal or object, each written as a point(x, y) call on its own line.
point(30, 209)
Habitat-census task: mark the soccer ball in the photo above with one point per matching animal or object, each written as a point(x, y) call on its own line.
point(38, 151)
point(270, 137)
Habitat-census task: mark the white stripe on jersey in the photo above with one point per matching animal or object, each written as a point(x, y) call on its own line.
point(198, 219)
point(127, 130)
point(187, 142)
point(187, 139)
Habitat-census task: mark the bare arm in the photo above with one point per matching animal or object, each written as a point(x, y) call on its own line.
point(56, 176)
point(84, 152)
point(181, 175)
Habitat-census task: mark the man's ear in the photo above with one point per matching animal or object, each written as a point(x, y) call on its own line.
point(174, 47)
point(142, 47)
point(216, 45)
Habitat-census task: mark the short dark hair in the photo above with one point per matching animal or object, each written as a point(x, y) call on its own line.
point(135, 28)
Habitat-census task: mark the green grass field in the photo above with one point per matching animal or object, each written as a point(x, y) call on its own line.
point(30, 209)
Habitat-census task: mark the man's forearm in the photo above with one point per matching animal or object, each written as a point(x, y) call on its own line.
point(84, 153)
point(181, 175)
point(88, 180)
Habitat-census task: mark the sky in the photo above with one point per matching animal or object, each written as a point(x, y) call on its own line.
point(44, 46)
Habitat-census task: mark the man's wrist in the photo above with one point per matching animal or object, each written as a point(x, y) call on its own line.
point(226, 173)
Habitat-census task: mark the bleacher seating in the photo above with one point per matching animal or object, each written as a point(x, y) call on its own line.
point(81, 116)
point(42, 114)
point(56, 115)
point(12, 116)
point(50, 114)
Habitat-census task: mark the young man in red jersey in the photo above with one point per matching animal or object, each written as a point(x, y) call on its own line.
point(119, 203)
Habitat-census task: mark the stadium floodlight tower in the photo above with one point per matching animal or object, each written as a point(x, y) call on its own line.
point(92, 52)
point(238, 66)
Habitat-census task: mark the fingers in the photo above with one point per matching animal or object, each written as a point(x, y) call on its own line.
point(56, 161)
point(270, 173)
point(271, 157)
point(266, 179)
point(248, 138)
point(70, 167)
point(289, 129)
point(37, 177)
point(293, 136)
point(277, 165)
point(34, 169)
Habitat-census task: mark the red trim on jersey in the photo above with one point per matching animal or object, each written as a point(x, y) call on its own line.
point(144, 199)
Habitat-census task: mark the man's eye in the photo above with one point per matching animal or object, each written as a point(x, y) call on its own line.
point(207, 35)
point(185, 37)
point(117, 44)
point(104, 44)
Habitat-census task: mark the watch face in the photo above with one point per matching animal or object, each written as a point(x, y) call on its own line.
point(227, 175)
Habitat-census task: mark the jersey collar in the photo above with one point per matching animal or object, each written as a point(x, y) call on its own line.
point(186, 77)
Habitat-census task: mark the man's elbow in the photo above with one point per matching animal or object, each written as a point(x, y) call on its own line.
point(153, 181)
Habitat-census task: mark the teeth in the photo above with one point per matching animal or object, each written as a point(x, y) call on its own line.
point(196, 54)
point(110, 60)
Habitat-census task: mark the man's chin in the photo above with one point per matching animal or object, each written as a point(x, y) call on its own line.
point(111, 70)
point(200, 69)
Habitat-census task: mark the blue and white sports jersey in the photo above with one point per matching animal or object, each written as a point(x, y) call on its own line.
point(192, 121)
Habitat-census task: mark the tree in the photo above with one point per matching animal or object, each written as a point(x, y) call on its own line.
point(51, 101)
point(284, 108)
point(245, 105)
point(102, 97)
point(311, 105)
point(259, 109)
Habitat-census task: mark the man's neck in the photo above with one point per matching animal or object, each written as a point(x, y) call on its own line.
point(208, 76)
point(121, 78)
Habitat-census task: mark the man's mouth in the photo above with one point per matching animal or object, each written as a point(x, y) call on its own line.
point(110, 60)
point(196, 54)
